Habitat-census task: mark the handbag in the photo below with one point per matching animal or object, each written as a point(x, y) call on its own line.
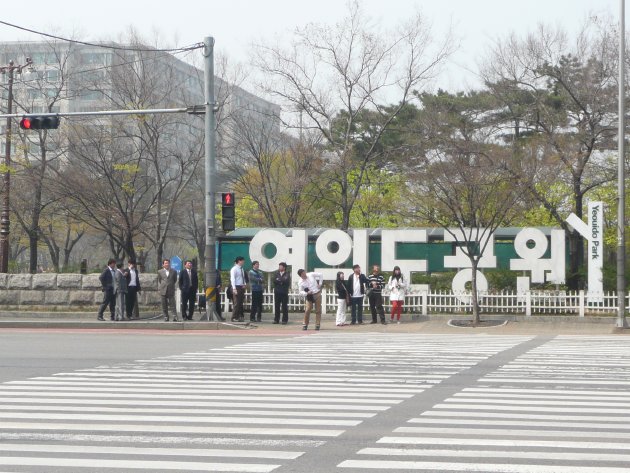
point(368, 291)
point(229, 293)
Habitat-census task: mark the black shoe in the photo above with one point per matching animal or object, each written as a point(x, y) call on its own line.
point(304, 327)
point(284, 322)
point(360, 322)
point(276, 322)
point(383, 322)
point(100, 317)
point(112, 318)
point(373, 322)
point(165, 319)
point(316, 327)
point(252, 320)
point(353, 323)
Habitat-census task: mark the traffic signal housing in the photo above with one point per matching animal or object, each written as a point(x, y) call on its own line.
point(40, 123)
point(228, 212)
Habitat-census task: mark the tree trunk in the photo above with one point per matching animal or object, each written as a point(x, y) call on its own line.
point(475, 299)
point(33, 240)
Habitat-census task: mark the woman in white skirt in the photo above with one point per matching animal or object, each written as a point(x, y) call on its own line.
point(397, 288)
point(342, 299)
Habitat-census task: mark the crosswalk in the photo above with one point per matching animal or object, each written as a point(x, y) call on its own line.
point(562, 407)
point(251, 407)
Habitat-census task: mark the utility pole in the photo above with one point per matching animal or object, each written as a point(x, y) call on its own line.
point(621, 168)
point(210, 275)
point(5, 219)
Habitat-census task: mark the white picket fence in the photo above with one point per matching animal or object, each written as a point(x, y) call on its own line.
point(576, 303)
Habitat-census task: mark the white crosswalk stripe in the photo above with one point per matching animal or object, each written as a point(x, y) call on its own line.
point(562, 407)
point(246, 408)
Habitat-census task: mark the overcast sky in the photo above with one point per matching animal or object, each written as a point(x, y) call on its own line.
point(235, 24)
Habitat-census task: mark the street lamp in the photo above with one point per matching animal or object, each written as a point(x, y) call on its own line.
point(5, 222)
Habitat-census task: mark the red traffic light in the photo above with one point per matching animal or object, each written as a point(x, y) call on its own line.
point(40, 123)
point(227, 199)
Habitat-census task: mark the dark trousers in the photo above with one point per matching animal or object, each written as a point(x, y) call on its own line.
point(257, 306)
point(109, 299)
point(357, 309)
point(238, 295)
point(188, 304)
point(130, 301)
point(281, 301)
point(376, 306)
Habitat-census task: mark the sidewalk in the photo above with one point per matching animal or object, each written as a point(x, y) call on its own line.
point(514, 325)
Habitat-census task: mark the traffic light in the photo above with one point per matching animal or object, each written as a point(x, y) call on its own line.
point(40, 123)
point(228, 212)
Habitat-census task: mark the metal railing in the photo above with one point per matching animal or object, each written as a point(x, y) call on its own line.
point(571, 303)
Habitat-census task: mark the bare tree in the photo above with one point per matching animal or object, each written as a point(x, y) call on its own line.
point(276, 172)
point(133, 170)
point(466, 189)
point(336, 80)
point(560, 97)
point(42, 90)
point(61, 234)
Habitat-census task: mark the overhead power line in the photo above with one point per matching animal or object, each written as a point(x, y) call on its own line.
point(106, 46)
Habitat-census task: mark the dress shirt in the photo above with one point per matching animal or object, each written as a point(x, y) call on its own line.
point(356, 286)
point(237, 276)
point(133, 278)
point(312, 282)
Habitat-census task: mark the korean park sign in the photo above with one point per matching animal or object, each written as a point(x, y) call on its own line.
point(541, 258)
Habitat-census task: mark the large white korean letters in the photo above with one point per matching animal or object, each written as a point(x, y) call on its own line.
point(531, 244)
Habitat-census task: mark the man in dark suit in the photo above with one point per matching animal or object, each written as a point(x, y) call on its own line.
point(133, 288)
point(188, 285)
point(107, 284)
point(167, 278)
point(281, 286)
point(357, 282)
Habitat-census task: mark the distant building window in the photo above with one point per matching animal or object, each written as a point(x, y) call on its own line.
point(92, 95)
point(96, 58)
point(44, 58)
point(53, 75)
point(92, 76)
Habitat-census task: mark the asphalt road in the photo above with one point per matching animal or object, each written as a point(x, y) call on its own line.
point(317, 402)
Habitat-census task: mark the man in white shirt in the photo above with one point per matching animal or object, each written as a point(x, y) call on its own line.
point(133, 289)
point(310, 286)
point(238, 282)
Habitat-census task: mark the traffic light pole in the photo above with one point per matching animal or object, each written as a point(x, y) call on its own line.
point(5, 216)
point(210, 276)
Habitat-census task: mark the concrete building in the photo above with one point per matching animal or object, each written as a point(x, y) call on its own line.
point(74, 77)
